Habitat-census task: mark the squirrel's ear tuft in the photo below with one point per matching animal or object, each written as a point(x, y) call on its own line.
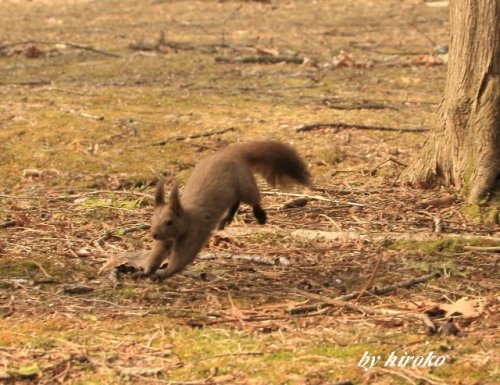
point(174, 202)
point(160, 192)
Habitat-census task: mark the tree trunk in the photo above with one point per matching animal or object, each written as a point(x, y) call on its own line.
point(464, 147)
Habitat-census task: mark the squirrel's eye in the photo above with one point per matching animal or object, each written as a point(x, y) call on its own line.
point(169, 222)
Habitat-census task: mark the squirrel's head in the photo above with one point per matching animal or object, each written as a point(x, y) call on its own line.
point(166, 222)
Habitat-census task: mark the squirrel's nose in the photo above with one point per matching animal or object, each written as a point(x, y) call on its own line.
point(155, 235)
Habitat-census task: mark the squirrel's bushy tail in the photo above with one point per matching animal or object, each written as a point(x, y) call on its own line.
point(277, 162)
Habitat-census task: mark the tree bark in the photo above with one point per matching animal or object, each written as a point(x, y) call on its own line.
point(464, 148)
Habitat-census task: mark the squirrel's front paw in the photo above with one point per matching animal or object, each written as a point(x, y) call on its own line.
point(159, 275)
point(139, 275)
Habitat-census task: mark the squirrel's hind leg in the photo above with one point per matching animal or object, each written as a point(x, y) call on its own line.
point(259, 214)
point(228, 218)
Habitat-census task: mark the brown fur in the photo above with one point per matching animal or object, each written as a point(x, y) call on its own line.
point(217, 186)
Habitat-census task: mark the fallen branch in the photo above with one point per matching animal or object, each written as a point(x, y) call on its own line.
point(390, 288)
point(197, 323)
point(249, 258)
point(336, 302)
point(314, 197)
point(263, 59)
point(358, 106)
point(495, 249)
point(341, 301)
point(72, 45)
point(317, 126)
point(206, 47)
point(185, 46)
point(355, 236)
point(27, 83)
point(179, 138)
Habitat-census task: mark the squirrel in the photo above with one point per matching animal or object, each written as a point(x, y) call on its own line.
point(211, 198)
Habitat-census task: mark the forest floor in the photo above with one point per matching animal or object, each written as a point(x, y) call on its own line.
point(99, 97)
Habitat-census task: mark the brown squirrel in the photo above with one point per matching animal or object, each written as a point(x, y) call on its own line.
point(211, 197)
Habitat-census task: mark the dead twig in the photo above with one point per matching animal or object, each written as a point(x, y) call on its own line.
point(262, 59)
point(179, 138)
point(304, 309)
point(40, 267)
point(119, 232)
point(186, 46)
point(313, 197)
point(169, 382)
point(495, 249)
point(390, 288)
point(160, 43)
point(201, 323)
point(84, 114)
point(333, 302)
point(374, 169)
point(341, 301)
point(27, 83)
point(371, 279)
point(8, 223)
point(69, 44)
point(357, 106)
point(317, 126)
point(249, 258)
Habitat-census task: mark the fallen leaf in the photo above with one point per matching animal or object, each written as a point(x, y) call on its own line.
point(469, 308)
